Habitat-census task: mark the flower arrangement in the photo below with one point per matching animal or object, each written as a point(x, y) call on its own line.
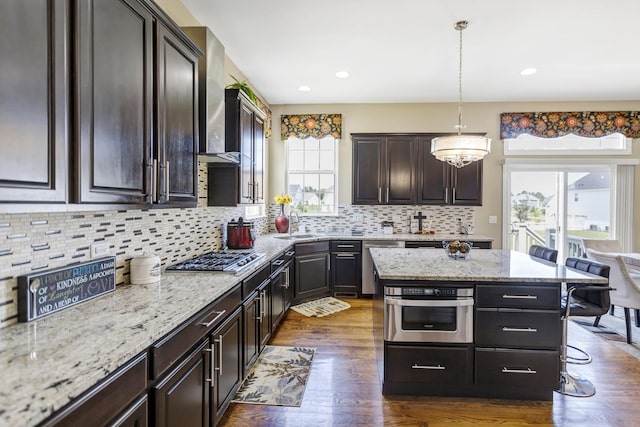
point(283, 199)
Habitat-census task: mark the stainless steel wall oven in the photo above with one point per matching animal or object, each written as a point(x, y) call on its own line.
point(428, 314)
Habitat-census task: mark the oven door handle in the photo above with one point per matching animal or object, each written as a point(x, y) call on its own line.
point(428, 303)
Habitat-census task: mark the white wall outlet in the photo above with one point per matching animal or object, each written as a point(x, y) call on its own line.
point(358, 218)
point(99, 250)
point(493, 219)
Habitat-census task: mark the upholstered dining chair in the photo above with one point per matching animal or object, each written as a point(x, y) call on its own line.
point(627, 294)
point(544, 252)
point(581, 300)
point(610, 245)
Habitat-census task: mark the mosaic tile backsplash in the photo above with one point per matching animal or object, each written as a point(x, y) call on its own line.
point(37, 242)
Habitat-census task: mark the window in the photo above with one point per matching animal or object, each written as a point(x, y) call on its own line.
point(569, 145)
point(311, 175)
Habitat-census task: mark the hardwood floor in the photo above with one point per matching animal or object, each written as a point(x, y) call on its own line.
point(343, 388)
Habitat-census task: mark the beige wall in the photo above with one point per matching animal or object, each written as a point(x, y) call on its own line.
point(479, 117)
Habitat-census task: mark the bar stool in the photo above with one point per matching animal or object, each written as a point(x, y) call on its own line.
point(590, 300)
point(544, 252)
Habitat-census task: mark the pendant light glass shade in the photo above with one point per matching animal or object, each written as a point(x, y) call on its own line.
point(460, 150)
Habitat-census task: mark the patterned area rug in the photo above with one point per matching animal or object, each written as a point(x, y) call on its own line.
point(612, 329)
point(321, 307)
point(279, 377)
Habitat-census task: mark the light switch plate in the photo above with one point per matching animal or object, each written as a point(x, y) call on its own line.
point(358, 218)
point(493, 219)
point(99, 250)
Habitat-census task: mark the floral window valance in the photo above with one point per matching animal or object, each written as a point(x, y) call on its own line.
point(311, 125)
point(590, 124)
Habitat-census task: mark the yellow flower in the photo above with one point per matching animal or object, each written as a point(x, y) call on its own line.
point(284, 199)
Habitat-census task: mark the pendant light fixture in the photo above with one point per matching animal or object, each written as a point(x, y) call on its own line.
point(460, 150)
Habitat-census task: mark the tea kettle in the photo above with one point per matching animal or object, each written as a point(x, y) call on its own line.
point(240, 234)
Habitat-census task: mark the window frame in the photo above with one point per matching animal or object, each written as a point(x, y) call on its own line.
point(289, 171)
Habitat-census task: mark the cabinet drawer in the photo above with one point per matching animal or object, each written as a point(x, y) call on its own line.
point(346, 246)
point(526, 369)
point(252, 283)
point(515, 296)
point(433, 365)
point(110, 397)
point(311, 247)
point(170, 349)
point(517, 328)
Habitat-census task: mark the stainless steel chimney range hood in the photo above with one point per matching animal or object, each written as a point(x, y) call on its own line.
point(211, 98)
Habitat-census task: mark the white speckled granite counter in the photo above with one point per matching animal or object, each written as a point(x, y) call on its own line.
point(482, 265)
point(405, 237)
point(48, 362)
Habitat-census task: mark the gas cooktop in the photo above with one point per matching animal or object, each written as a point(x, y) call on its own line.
point(219, 261)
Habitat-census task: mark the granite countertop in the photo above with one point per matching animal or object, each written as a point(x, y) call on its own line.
point(302, 237)
point(494, 265)
point(49, 361)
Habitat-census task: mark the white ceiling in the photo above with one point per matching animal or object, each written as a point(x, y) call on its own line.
point(407, 50)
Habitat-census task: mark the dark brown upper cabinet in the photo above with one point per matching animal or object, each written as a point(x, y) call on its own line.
point(383, 169)
point(439, 183)
point(34, 104)
point(177, 121)
point(97, 105)
point(114, 91)
point(230, 185)
point(399, 169)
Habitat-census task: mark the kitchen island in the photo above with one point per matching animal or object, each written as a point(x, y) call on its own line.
point(485, 326)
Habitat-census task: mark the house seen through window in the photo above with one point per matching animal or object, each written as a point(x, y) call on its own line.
point(311, 175)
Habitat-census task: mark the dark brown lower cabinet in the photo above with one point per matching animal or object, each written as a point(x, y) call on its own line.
point(312, 271)
point(265, 313)
point(279, 291)
point(199, 389)
point(183, 398)
point(252, 339)
point(226, 345)
point(136, 416)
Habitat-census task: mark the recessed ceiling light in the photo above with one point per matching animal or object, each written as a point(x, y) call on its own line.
point(528, 71)
point(342, 74)
point(304, 88)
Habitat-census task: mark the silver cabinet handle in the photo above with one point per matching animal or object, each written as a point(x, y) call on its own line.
point(387, 195)
point(278, 262)
point(345, 246)
point(263, 300)
point(437, 368)
point(154, 181)
point(428, 303)
point(508, 329)
point(379, 194)
point(446, 195)
point(453, 195)
point(219, 341)
point(506, 370)
point(207, 324)
point(507, 296)
point(290, 253)
point(211, 375)
point(166, 179)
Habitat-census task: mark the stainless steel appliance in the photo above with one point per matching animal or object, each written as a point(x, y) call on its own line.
point(221, 261)
point(368, 282)
point(428, 314)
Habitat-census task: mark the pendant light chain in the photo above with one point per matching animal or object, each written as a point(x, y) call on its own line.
point(461, 25)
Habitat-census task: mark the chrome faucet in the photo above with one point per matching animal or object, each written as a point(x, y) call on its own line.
point(293, 213)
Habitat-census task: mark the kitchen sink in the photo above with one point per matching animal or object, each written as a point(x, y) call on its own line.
point(294, 236)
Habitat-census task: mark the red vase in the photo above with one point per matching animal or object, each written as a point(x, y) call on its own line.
point(282, 221)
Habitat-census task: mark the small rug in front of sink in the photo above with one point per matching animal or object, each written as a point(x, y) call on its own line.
point(279, 377)
point(321, 307)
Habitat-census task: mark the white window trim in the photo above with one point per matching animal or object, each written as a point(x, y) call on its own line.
point(550, 151)
point(336, 213)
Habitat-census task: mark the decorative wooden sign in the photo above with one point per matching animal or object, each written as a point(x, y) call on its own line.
point(54, 290)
